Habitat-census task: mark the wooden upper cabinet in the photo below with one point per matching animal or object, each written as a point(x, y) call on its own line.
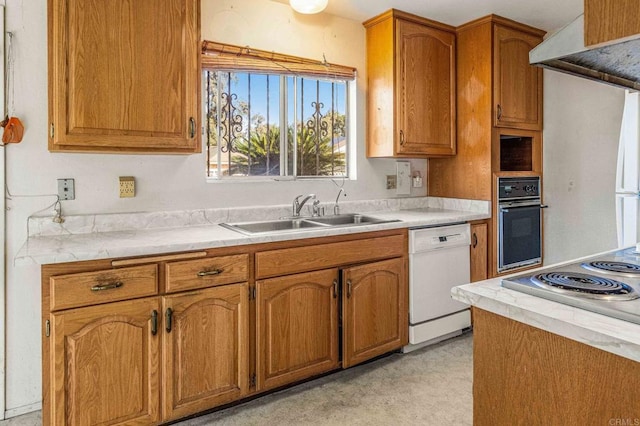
point(517, 85)
point(124, 76)
point(206, 349)
point(104, 364)
point(375, 313)
point(426, 88)
point(411, 86)
point(609, 20)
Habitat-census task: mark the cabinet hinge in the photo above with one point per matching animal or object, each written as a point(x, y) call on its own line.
point(47, 328)
point(252, 380)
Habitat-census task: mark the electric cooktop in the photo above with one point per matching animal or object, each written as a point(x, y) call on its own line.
point(606, 284)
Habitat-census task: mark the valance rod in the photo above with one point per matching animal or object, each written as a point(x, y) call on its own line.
point(227, 57)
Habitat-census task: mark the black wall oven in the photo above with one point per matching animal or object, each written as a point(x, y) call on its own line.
point(519, 222)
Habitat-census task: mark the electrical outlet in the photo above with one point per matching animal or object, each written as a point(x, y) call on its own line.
point(127, 187)
point(66, 189)
point(391, 181)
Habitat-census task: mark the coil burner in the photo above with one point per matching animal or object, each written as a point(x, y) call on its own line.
point(584, 285)
point(613, 267)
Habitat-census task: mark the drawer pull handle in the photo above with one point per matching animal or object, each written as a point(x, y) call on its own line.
point(167, 319)
point(335, 289)
point(107, 286)
point(209, 273)
point(348, 289)
point(499, 112)
point(154, 322)
point(475, 240)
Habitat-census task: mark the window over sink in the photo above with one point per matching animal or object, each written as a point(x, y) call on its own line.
point(274, 116)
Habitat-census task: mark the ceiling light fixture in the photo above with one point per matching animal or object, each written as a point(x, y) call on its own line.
point(308, 7)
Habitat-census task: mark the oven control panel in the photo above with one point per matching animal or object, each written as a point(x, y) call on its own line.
point(518, 187)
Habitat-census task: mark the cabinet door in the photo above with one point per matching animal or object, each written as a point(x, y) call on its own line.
point(517, 85)
point(479, 251)
point(426, 90)
point(375, 315)
point(124, 75)
point(104, 363)
point(297, 326)
point(206, 344)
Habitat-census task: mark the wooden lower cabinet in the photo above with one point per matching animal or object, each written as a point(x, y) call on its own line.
point(479, 251)
point(206, 349)
point(297, 327)
point(374, 301)
point(523, 375)
point(105, 360)
point(109, 357)
point(228, 333)
point(297, 320)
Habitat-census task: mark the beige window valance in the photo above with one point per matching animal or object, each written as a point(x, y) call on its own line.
point(222, 56)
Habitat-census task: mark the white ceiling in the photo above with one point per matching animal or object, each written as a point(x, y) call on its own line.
point(549, 15)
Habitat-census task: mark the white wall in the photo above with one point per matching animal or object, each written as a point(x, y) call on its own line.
point(581, 129)
point(164, 182)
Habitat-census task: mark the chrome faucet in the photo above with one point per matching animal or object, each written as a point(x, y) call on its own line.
point(297, 204)
point(336, 207)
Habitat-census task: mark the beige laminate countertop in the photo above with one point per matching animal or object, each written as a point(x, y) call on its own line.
point(608, 334)
point(48, 249)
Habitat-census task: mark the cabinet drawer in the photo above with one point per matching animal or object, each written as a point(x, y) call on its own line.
point(91, 288)
point(289, 261)
point(200, 273)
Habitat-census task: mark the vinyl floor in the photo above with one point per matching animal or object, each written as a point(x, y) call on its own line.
point(430, 386)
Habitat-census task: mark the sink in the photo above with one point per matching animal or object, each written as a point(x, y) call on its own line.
point(346, 219)
point(302, 224)
point(271, 226)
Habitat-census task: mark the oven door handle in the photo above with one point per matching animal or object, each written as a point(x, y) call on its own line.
point(508, 209)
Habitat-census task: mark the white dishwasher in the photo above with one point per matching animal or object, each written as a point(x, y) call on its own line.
point(438, 261)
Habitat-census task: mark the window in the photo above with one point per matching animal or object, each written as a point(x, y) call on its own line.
point(273, 118)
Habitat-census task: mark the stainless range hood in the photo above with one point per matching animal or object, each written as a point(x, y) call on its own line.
point(617, 64)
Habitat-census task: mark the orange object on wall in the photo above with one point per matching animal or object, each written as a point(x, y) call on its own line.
point(13, 130)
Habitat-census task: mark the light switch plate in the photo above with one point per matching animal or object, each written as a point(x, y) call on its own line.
point(403, 173)
point(127, 187)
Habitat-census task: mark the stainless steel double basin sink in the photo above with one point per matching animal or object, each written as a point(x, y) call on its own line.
point(304, 223)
